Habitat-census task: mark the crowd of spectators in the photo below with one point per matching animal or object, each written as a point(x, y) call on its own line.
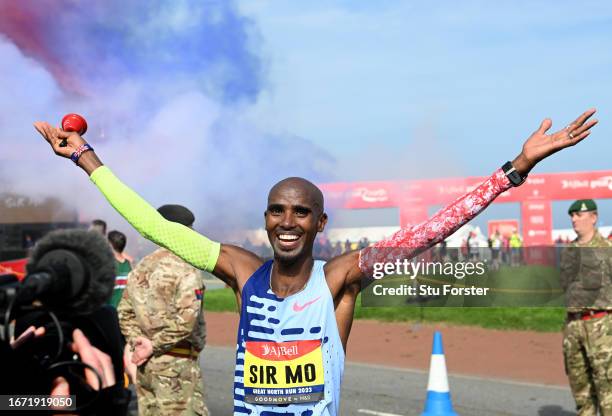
point(499, 249)
point(324, 249)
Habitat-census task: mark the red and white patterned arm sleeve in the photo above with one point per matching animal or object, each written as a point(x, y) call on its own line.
point(410, 241)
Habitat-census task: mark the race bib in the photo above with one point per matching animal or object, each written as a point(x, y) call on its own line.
point(283, 372)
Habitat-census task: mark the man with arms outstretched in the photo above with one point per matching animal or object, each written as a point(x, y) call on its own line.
point(296, 313)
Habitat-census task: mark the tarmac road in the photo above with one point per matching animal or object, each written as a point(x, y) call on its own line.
point(384, 391)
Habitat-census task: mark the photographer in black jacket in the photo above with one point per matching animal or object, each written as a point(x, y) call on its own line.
point(67, 339)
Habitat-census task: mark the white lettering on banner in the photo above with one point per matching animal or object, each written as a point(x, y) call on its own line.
point(574, 184)
point(603, 182)
point(536, 181)
point(538, 233)
point(536, 219)
point(536, 207)
point(371, 195)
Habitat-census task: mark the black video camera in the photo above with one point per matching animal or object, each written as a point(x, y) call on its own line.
point(70, 278)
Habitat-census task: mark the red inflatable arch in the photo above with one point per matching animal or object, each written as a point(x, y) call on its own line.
point(413, 198)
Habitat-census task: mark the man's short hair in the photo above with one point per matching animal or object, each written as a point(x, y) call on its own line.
point(99, 224)
point(177, 213)
point(117, 240)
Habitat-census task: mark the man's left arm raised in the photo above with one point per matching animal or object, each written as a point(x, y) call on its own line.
point(410, 241)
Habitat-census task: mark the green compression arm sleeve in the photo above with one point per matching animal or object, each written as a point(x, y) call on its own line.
point(186, 243)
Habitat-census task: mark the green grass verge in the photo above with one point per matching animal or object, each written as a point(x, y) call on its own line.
point(536, 319)
point(220, 300)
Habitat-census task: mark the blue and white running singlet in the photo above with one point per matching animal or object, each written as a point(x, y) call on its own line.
point(289, 358)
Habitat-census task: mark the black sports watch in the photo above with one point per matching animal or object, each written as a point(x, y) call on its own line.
point(514, 177)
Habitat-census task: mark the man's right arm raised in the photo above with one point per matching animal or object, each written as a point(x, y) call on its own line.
point(186, 243)
point(231, 264)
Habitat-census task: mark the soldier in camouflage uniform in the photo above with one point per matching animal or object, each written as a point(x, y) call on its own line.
point(161, 317)
point(586, 276)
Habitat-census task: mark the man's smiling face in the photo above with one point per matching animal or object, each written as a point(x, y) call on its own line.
point(293, 217)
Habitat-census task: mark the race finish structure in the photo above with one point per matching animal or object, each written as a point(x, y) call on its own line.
point(283, 372)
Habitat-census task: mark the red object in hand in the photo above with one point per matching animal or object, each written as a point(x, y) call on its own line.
point(74, 122)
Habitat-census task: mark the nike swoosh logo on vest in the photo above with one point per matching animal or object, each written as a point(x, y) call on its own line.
point(298, 308)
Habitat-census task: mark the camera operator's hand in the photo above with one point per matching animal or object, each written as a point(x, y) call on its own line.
point(27, 335)
point(143, 350)
point(100, 361)
point(89, 354)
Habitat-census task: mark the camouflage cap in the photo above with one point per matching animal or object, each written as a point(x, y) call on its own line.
point(582, 205)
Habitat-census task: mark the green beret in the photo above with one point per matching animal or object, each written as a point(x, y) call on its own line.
point(177, 213)
point(582, 205)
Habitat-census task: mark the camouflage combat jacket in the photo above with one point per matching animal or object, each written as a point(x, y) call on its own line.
point(162, 301)
point(586, 274)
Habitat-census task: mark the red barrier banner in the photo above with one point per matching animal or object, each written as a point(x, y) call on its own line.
point(537, 223)
point(382, 194)
point(16, 267)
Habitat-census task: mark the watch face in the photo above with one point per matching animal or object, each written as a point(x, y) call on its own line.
point(513, 176)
